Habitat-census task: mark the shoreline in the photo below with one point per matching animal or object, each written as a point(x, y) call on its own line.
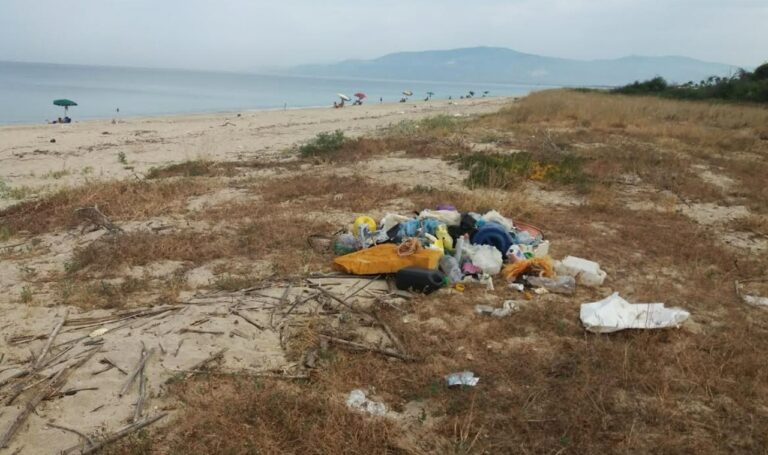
point(188, 115)
point(39, 158)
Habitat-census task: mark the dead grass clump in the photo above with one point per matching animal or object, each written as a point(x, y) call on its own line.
point(193, 168)
point(101, 294)
point(243, 416)
point(122, 200)
point(143, 248)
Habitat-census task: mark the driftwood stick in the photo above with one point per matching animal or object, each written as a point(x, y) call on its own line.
point(51, 337)
point(107, 361)
point(87, 439)
point(395, 340)
point(248, 320)
point(336, 298)
point(176, 352)
point(54, 384)
point(364, 347)
point(207, 332)
point(215, 356)
point(300, 302)
point(135, 371)
point(196, 368)
point(115, 436)
point(368, 283)
point(142, 394)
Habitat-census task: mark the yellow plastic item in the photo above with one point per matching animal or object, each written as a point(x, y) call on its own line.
point(435, 243)
point(360, 220)
point(460, 287)
point(535, 266)
point(384, 259)
point(442, 234)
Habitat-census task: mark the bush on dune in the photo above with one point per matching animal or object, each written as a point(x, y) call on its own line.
point(743, 86)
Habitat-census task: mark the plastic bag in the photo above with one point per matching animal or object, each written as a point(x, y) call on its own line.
point(614, 313)
point(485, 257)
point(495, 217)
point(586, 272)
point(447, 217)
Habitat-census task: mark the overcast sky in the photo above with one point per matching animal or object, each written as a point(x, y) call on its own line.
point(253, 34)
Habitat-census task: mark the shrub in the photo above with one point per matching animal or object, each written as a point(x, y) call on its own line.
point(323, 144)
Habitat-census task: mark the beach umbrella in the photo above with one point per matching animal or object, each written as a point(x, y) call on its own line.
point(65, 103)
point(408, 93)
point(430, 94)
point(361, 95)
point(344, 97)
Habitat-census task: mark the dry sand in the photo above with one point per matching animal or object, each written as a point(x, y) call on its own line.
point(90, 150)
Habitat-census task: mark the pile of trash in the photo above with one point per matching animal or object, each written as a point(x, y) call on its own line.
point(444, 247)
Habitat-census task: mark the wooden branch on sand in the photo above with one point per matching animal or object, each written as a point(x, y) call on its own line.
point(198, 367)
point(114, 436)
point(53, 386)
point(364, 347)
point(139, 366)
point(248, 320)
point(87, 439)
point(142, 394)
point(48, 344)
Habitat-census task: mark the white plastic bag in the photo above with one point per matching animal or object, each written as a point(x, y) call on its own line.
point(586, 272)
point(486, 257)
point(391, 220)
point(495, 217)
point(614, 313)
point(447, 217)
point(357, 400)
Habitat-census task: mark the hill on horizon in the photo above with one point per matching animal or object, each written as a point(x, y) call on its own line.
point(507, 66)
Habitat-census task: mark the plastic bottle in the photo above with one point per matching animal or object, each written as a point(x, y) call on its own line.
point(419, 280)
point(442, 233)
point(450, 267)
point(563, 284)
point(459, 247)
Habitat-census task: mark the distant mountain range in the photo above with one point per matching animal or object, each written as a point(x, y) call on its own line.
point(507, 66)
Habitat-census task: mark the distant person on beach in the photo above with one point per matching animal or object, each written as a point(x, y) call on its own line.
point(381, 99)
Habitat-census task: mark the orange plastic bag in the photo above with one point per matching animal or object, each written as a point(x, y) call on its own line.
point(381, 259)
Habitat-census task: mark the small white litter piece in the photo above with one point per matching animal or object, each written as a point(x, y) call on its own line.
point(508, 308)
point(466, 378)
point(752, 296)
point(357, 400)
point(614, 313)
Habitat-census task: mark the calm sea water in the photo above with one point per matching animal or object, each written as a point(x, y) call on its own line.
point(27, 91)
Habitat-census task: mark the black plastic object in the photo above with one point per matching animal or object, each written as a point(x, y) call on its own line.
point(419, 280)
point(468, 225)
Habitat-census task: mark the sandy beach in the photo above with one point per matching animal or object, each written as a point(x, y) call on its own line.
point(213, 272)
point(83, 151)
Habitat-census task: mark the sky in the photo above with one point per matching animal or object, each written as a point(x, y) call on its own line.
point(252, 35)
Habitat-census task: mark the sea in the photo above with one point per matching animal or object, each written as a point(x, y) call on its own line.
point(27, 91)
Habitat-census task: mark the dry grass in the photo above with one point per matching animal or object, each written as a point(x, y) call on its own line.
point(193, 168)
point(243, 416)
point(122, 200)
point(726, 126)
